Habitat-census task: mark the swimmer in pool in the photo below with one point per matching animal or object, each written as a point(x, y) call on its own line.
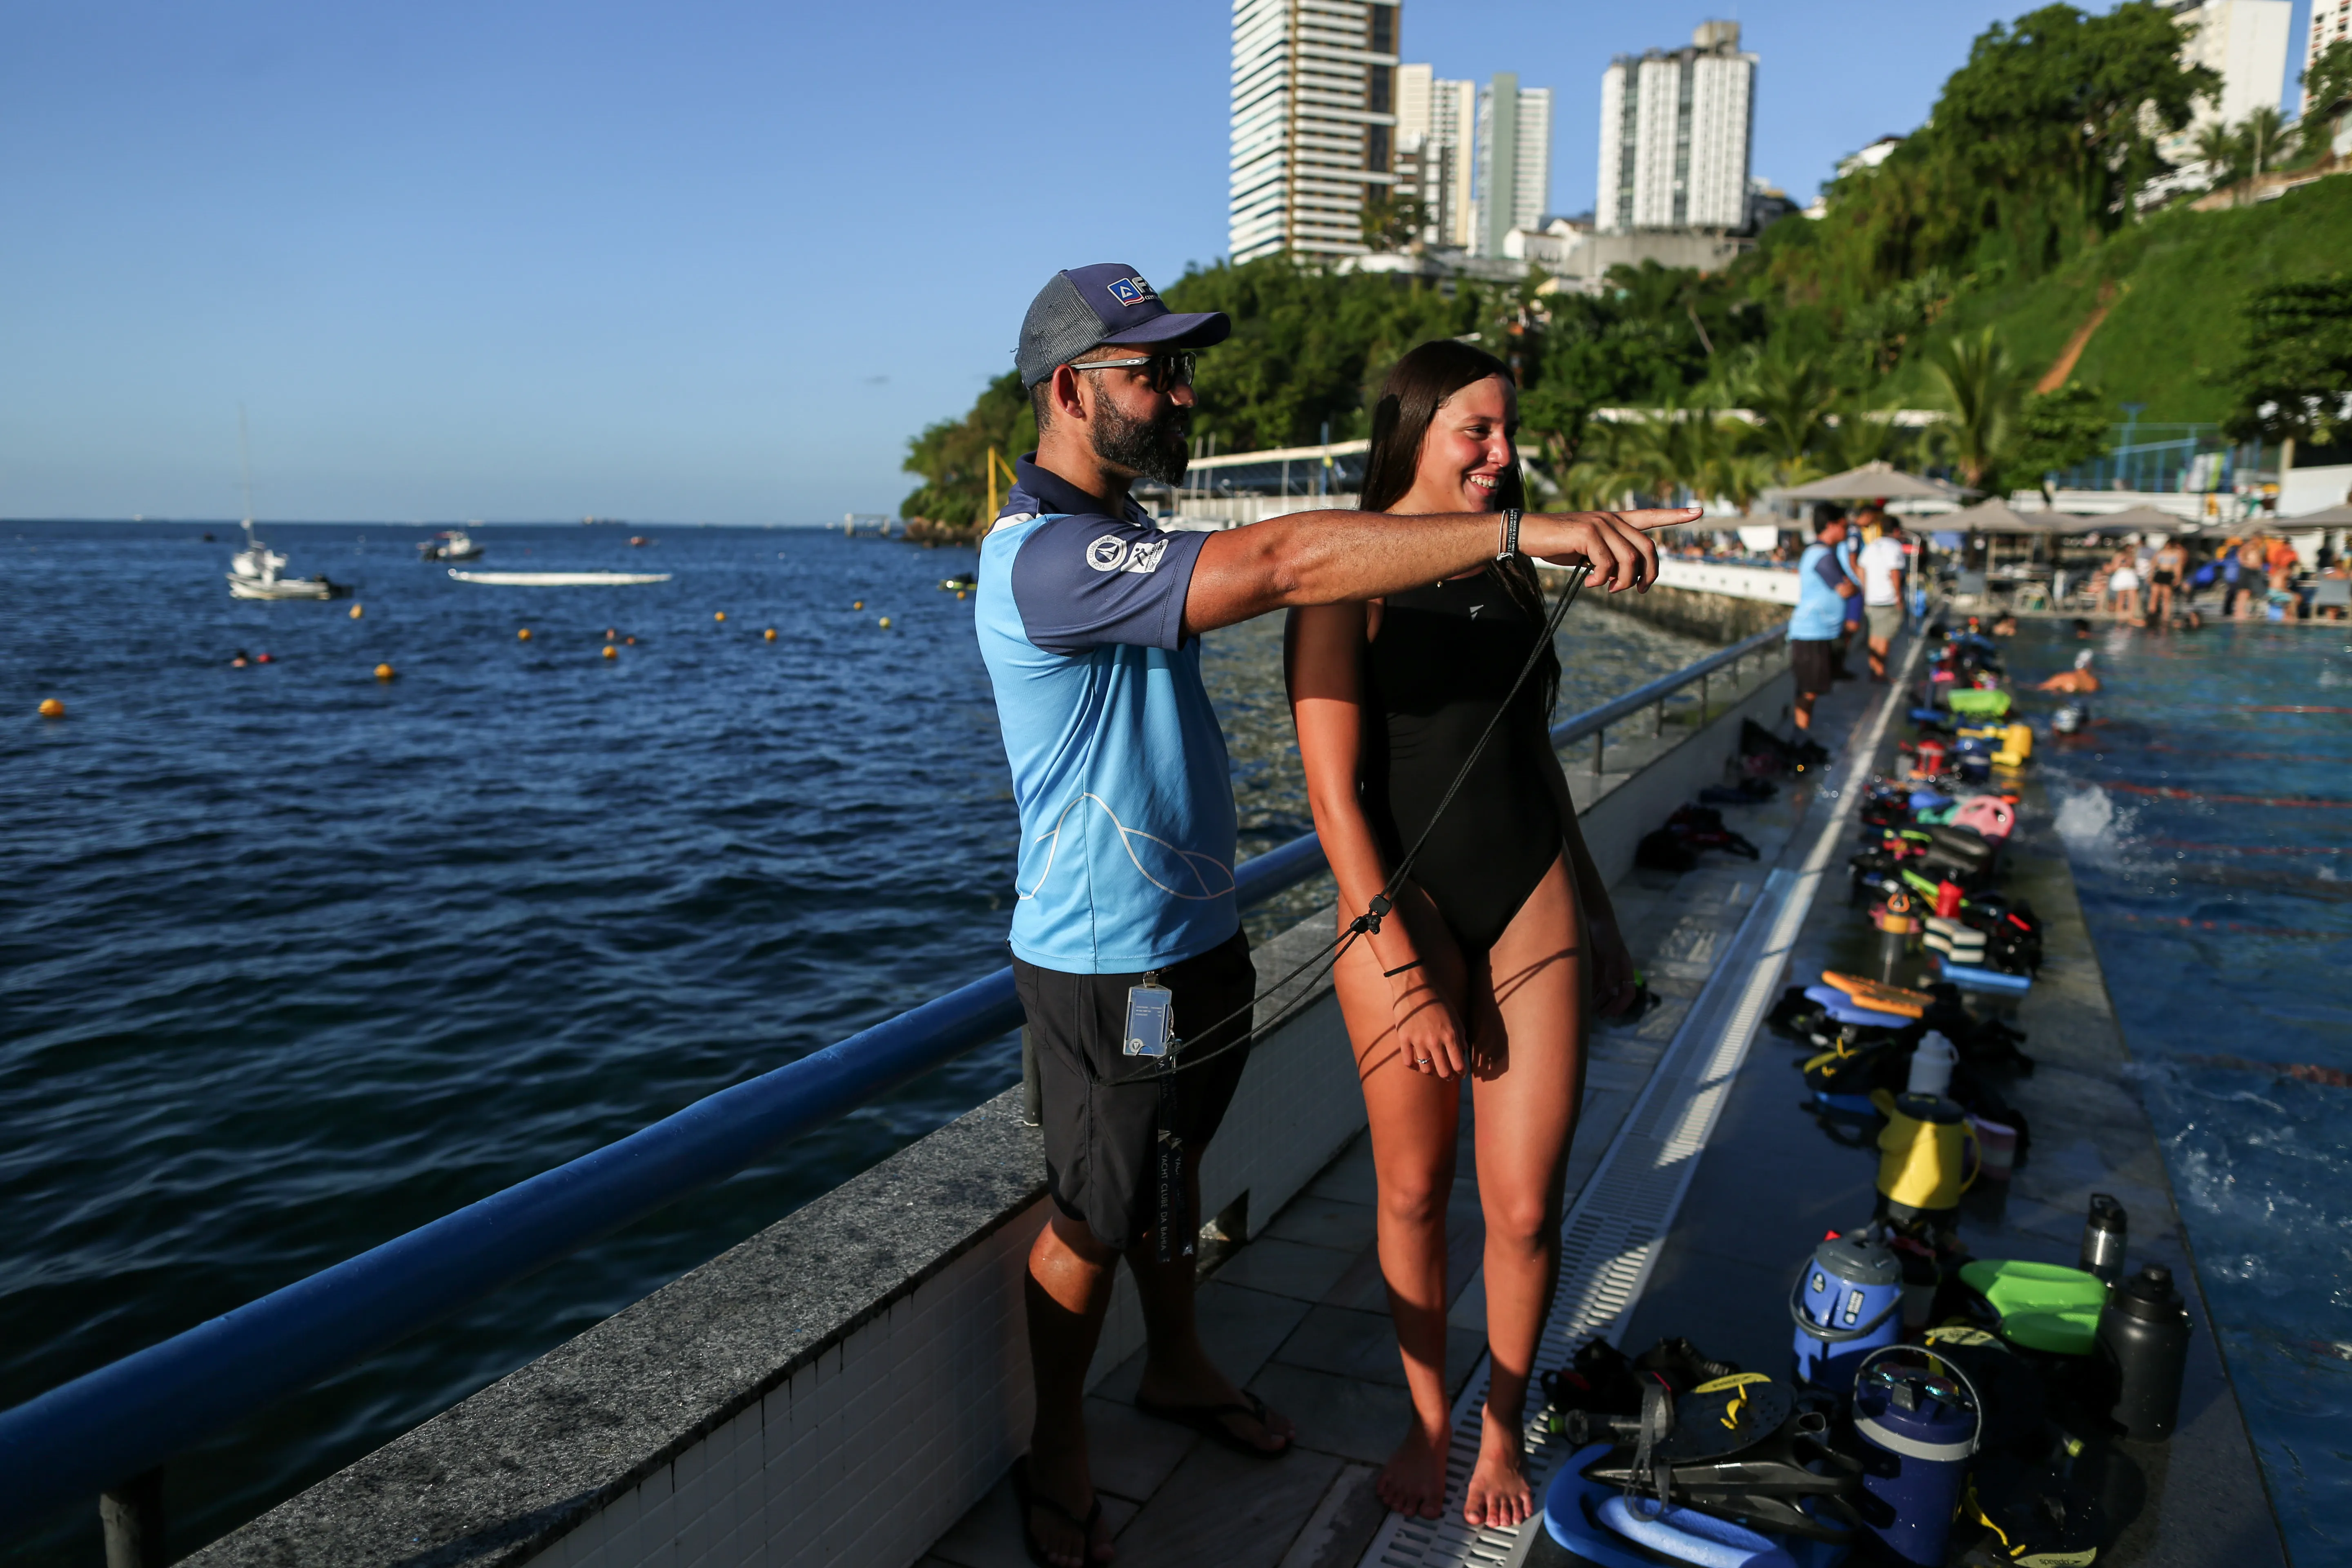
point(2076, 680)
point(238, 660)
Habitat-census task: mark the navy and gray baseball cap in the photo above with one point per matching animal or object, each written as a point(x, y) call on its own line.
point(1109, 302)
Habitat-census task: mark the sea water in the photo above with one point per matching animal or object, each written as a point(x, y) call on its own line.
point(2208, 815)
point(293, 959)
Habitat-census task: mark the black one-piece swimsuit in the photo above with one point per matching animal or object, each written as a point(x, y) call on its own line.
point(1441, 664)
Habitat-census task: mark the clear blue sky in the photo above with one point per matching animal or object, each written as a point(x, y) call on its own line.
point(677, 262)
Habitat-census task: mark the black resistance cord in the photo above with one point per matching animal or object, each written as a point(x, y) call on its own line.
point(1384, 900)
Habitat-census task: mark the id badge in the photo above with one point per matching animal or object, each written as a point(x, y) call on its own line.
point(1150, 1017)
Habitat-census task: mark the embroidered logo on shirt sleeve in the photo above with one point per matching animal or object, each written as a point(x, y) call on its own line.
point(1108, 553)
point(1145, 556)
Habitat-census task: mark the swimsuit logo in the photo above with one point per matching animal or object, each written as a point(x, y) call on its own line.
point(1131, 291)
point(1108, 553)
point(1474, 609)
point(1145, 556)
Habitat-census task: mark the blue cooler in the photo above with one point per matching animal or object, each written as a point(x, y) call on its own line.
point(1847, 1304)
point(1922, 1424)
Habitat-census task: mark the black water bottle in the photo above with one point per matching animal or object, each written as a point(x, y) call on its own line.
point(2103, 1238)
point(2143, 1338)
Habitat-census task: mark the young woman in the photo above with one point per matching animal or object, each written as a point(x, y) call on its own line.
point(1503, 938)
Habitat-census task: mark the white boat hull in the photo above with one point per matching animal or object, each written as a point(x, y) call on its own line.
point(279, 588)
point(560, 579)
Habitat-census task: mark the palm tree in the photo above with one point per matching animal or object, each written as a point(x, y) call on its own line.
point(1981, 387)
point(2262, 137)
point(2217, 149)
point(1791, 400)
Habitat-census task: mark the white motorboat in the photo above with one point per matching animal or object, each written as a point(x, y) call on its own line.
point(451, 545)
point(257, 572)
point(560, 579)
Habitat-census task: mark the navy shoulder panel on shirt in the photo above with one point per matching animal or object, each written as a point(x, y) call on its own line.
point(1083, 580)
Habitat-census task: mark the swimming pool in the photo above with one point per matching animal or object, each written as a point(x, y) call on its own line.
point(2208, 815)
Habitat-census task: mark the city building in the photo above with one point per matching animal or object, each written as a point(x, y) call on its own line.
point(1314, 121)
point(2331, 22)
point(1436, 140)
point(1675, 131)
point(2245, 42)
point(1512, 182)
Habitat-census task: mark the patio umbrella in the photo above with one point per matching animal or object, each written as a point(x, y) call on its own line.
point(1871, 481)
point(2338, 516)
point(2140, 519)
point(1997, 516)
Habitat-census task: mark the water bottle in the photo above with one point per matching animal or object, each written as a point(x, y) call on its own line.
point(2144, 1341)
point(2104, 1233)
point(1922, 1423)
point(1931, 1065)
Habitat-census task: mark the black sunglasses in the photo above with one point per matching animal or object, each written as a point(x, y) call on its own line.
point(1168, 371)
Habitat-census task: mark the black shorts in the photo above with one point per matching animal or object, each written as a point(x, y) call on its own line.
point(1101, 1108)
point(1815, 664)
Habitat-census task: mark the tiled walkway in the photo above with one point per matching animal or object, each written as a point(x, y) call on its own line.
point(1299, 1315)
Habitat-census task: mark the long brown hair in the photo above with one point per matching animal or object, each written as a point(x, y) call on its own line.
point(1416, 388)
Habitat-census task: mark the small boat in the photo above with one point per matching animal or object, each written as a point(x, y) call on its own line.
point(560, 579)
point(451, 545)
point(963, 585)
point(255, 573)
point(639, 541)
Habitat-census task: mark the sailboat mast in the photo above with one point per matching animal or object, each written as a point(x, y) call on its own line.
point(245, 466)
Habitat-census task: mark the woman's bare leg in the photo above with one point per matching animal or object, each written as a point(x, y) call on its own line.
point(1529, 1068)
point(1414, 1120)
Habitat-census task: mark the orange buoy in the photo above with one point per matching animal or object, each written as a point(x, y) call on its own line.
point(719, 617)
point(52, 709)
point(612, 652)
point(856, 603)
point(383, 672)
point(631, 641)
point(771, 634)
point(355, 611)
point(958, 593)
point(523, 635)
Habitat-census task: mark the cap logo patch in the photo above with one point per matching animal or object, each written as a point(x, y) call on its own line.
point(1131, 291)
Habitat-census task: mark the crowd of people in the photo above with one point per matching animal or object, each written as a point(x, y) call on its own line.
point(2155, 580)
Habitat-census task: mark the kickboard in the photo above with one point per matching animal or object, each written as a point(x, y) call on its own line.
point(1842, 1008)
point(1879, 997)
point(1970, 978)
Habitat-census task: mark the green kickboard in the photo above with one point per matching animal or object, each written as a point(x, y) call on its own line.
point(2043, 1306)
point(1971, 702)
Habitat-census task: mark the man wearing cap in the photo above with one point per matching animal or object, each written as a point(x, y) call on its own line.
point(1089, 619)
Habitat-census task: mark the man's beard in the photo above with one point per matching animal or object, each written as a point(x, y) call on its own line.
point(1154, 449)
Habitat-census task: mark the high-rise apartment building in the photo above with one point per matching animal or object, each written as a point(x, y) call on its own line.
point(1314, 121)
point(1437, 138)
point(2331, 22)
point(2245, 43)
point(1513, 184)
point(1675, 129)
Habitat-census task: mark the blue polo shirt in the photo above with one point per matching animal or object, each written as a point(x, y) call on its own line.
point(1821, 613)
point(1118, 765)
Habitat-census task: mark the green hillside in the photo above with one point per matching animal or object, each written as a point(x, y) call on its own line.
point(2179, 283)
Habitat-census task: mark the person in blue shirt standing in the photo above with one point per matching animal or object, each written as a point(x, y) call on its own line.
point(1089, 619)
point(1823, 587)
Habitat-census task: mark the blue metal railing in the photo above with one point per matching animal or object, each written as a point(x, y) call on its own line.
point(127, 1417)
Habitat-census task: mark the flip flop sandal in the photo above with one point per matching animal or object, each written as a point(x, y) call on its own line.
point(1029, 1499)
point(1209, 1421)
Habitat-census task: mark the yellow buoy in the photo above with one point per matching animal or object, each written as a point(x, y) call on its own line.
point(355, 612)
point(523, 635)
point(383, 672)
point(52, 709)
point(771, 634)
point(856, 603)
point(612, 652)
point(885, 623)
point(719, 617)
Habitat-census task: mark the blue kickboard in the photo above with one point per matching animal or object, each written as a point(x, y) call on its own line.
point(1842, 1008)
point(1970, 978)
point(1586, 1518)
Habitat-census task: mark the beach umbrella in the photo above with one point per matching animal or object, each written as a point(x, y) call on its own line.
point(1997, 516)
point(2339, 516)
point(1870, 482)
point(2142, 518)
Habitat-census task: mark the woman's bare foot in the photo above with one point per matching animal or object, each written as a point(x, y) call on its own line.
point(1498, 1493)
point(1413, 1480)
